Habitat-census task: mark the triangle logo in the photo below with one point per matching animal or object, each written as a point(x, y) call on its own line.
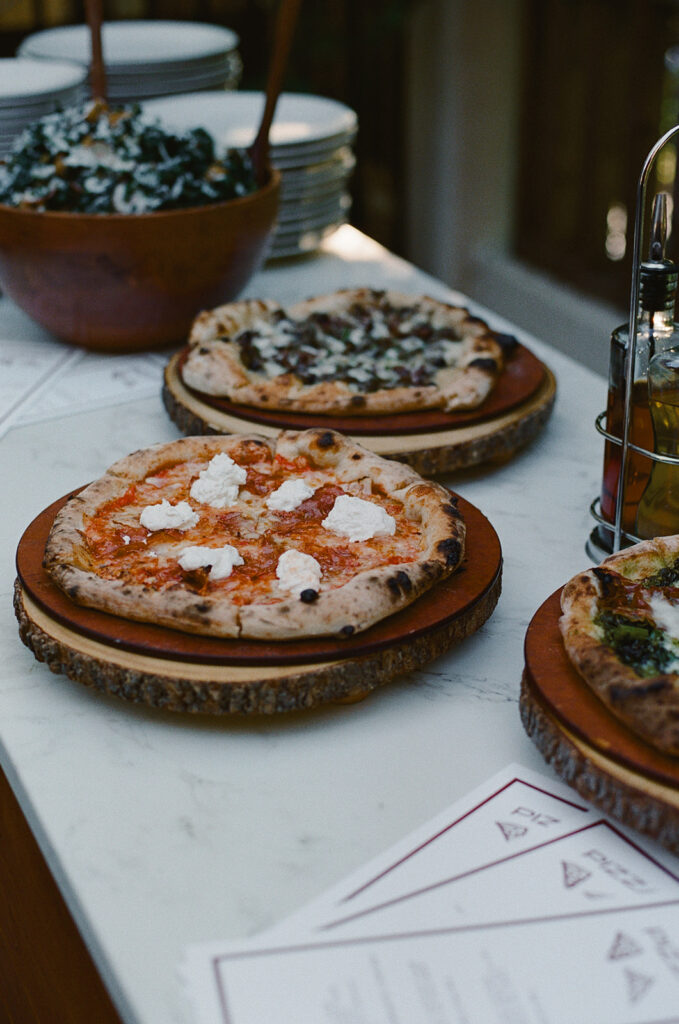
point(623, 945)
point(637, 985)
point(510, 830)
point(573, 874)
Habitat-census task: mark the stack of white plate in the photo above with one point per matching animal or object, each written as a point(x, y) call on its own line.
point(311, 143)
point(147, 58)
point(30, 89)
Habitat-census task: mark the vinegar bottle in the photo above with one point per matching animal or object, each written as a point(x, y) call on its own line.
point(656, 332)
point(658, 513)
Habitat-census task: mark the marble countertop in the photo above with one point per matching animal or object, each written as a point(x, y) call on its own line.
point(163, 830)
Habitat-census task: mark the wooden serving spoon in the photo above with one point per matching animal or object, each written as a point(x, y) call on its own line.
point(285, 28)
point(94, 12)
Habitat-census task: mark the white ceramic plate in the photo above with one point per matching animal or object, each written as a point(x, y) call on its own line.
point(233, 119)
point(23, 113)
point(25, 82)
point(166, 72)
point(131, 43)
point(299, 159)
point(142, 89)
point(316, 191)
point(320, 175)
point(302, 244)
point(298, 217)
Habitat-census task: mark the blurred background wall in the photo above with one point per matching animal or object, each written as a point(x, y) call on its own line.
point(500, 141)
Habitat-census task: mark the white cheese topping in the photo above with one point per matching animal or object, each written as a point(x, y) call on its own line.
point(218, 484)
point(297, 572)
point(289, 496)
point(168, 517)
point(358, 519)
point(271, 330)
point(451, 350)
point(221, 560)
point(665, 615)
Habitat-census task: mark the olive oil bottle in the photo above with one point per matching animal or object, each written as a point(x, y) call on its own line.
point(658, 513)
point(656, 332)
point(640, 433)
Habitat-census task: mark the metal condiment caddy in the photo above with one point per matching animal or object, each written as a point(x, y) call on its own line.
point(610, 536)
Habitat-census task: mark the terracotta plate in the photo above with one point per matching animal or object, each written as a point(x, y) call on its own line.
point(570, 702)
point(447, 601)
point(523, 375)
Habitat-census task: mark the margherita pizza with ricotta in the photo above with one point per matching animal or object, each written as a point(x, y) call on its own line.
point(357, 351)
point(306, 534)
point(620, 627)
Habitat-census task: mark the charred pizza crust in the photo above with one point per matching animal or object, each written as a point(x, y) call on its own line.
point(370, 595)
point(470, 359)
point(626, 674)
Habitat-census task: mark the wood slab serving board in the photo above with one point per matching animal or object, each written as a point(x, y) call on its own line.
point(432, 442)
point(588, 746)
point(177, 671)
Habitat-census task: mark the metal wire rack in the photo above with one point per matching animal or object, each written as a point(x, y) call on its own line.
point(622, 538)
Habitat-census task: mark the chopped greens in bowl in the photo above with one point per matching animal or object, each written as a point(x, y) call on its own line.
point(99, 159)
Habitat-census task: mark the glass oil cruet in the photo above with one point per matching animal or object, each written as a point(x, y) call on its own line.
point(658, 513)
point(640, 485)
point(655, 332)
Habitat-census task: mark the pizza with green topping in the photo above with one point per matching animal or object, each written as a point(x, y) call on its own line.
point(620, 628)
point(356, 351)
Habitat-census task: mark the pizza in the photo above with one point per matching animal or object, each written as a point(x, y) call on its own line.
point(620, 628)
point(357, 351)
point(306, 534)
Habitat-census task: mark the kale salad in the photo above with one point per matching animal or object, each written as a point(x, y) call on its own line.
point(99, 159)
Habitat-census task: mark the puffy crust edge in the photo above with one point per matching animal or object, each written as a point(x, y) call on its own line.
point(644, 558)
point(648, 706)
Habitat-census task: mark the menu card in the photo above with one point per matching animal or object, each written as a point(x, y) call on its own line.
point(520, 904)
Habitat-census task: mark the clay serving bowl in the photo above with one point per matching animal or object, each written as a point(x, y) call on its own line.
point(129, 282)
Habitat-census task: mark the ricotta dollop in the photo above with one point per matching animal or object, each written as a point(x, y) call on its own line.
point(297, 572)
point(289, 496)
point(358, 519)
point(218, 484)
point(221, 560)
point(168, 517)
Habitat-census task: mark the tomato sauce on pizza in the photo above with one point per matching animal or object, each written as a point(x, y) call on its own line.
point(121, 548)
point(302, 535)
